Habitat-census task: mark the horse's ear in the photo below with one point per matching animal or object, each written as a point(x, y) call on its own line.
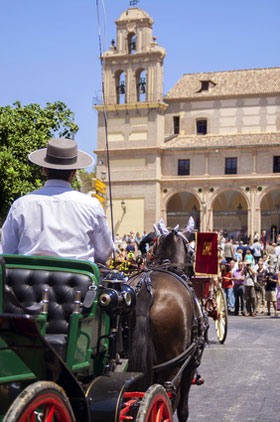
point(162, 227)
point(176, 228)
point(157, 232)
point(190, 225)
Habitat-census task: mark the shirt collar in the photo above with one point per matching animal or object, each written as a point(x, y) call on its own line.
point(57, 183)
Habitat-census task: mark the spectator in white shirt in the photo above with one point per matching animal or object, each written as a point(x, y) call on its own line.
point(57, 220)
point(257, 250)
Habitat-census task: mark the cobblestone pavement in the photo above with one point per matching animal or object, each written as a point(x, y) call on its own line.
point(242, 377)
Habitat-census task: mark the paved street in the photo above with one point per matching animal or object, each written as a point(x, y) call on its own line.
point(242, 377)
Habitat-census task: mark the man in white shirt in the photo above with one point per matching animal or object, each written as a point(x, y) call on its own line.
point(57, 220)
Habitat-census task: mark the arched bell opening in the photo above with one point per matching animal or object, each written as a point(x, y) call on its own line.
point(180, 207)
point(141, 90)
point(131, 43)
point(120, 79)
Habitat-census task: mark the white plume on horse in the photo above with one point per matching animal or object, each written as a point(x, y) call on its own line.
point(162, 227)
point(157, 232)
point(190, 225)
point(163, 230)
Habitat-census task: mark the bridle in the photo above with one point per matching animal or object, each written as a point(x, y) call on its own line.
point(176, 232)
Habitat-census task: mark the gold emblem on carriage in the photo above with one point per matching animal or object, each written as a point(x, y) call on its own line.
point(207, 248)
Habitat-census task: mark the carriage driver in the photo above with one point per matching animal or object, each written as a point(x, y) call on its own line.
point(57, 220)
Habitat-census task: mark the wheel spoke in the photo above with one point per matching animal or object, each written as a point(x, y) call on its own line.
point(50, 414)
point(221, 322)
point(154, 412)
point(159, 413)
point(155, 406)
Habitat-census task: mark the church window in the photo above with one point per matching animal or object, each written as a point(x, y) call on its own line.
point(176, 125)
point(201, 127)
point(276, 164)
point(231, 165)
point(183, 167)
point(120, 87)
point(131, 43)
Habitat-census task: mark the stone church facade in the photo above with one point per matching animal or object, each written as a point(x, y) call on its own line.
point(209, 148)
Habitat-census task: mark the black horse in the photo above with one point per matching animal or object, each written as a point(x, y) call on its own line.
point(167, 328)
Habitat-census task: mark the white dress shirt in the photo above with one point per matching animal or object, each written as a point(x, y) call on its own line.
point(57, 221)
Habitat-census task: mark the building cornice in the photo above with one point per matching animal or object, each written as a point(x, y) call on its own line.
point(171, 180)
point(120, 57)
point(132, 106)
point(247, 178)
point(207, 148)
point(220, 97)
point(126, 149)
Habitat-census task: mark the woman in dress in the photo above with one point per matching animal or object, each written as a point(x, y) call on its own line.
point(261, 274)
point(249, 257)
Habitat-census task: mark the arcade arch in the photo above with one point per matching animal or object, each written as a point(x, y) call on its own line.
point(230, 214)
point(270, 214)
point(180, 207)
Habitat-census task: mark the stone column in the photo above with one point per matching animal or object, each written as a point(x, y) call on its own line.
point(250, 216)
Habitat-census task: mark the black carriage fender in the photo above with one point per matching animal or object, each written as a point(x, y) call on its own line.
point(105, 394)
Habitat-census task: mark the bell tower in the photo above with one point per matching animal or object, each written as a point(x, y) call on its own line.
point(133, 97)
point(133, 68)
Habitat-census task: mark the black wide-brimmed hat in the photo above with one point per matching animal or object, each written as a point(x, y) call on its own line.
point(61, 154)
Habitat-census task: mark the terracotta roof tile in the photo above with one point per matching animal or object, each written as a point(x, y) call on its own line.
point(223, 141)
point(228, 83)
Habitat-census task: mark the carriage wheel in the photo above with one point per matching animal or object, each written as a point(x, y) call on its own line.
point(42, 401)
point(221, 321)
point(155, 406)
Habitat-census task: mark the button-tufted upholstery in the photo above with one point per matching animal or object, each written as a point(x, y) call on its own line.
point(28, 286)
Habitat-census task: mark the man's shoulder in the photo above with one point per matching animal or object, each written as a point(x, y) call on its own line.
point(22, 200)
point(83, 199)
point(73, 196)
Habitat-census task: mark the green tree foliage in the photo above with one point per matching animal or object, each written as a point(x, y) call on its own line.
point(24, 129)
point(86, 179)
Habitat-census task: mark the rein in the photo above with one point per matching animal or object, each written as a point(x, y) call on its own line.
point(144, 279)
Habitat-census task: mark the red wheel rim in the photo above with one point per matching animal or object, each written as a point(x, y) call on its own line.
point(159, 410)
point(46, 408)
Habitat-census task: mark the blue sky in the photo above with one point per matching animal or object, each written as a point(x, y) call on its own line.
point(49, 48)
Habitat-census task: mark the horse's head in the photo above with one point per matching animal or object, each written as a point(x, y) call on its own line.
point(173, 246)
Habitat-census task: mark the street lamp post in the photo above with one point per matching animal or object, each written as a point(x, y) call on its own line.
point(123, 205)
point(103, 175)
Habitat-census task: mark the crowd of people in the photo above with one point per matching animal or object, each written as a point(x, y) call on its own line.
point(250, 275)
point(131, 245)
